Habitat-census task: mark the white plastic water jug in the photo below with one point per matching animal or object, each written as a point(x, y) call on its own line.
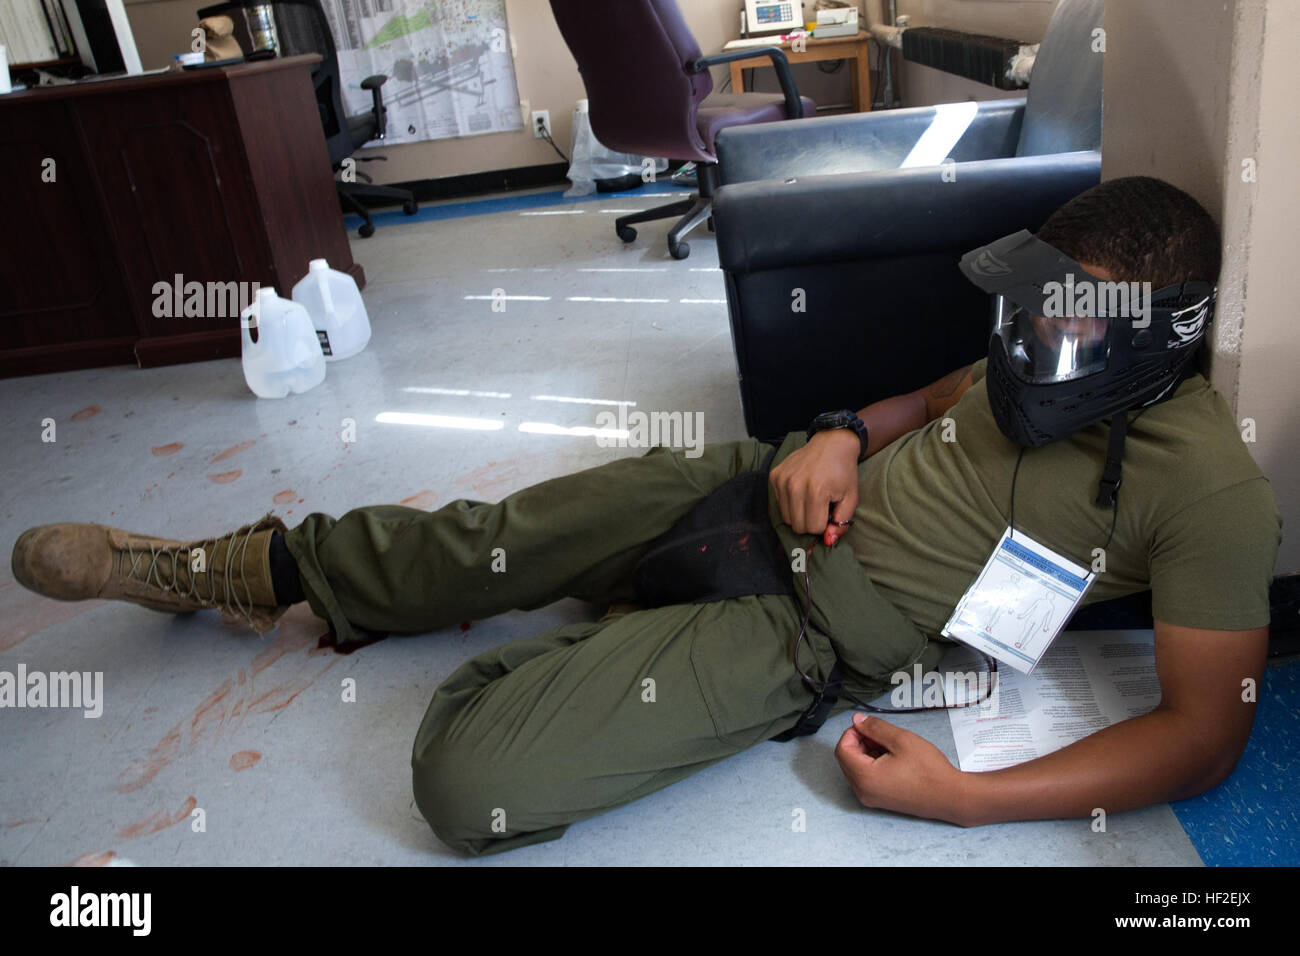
point(336, 308)
point(286, 356)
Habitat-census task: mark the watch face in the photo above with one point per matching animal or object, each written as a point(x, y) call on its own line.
point(833, 419)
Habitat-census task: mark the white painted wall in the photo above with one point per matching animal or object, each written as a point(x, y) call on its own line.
point(1194, 88)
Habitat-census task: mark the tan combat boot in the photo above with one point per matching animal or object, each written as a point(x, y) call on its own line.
point(79, 562)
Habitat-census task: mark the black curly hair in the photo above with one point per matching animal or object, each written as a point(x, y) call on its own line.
point(1139, 229)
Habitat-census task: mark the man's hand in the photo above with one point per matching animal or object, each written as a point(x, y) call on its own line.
point(1188, 744)
point(890, 768)
point(819, 477)
point(818, 484)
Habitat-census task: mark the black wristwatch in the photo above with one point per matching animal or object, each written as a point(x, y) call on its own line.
point(841, 419)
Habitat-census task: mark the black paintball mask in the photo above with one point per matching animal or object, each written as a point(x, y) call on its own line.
point(1069, 349)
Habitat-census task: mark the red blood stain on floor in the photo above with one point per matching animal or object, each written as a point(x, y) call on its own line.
point(19, 823)
point(170, 448)
point(499, 478)
point(244, 759)
point(226, 477)
point(159, 821)
point(234, 450)
point(286, 496)
point(25, 614)
point(423, 500)
point(272, 680)
point(93, 859)
point(90, 411)
point(466, 625)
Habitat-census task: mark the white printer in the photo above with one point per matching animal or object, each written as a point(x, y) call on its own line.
point(838, 22)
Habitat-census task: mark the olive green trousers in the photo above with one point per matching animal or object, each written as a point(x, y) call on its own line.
point(525, 739)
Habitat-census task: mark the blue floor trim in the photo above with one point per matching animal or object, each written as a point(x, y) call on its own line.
point(476, 207)
point(1253, 817)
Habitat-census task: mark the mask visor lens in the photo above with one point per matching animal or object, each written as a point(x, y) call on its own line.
point(1043, 350)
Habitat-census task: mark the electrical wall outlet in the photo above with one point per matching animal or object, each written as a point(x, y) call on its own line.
point(541, 123)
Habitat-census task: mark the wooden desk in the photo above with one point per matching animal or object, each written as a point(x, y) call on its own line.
point(853, 49)
point(218, 175)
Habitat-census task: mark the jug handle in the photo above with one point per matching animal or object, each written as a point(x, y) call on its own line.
point(327, 296)
point(246, 333)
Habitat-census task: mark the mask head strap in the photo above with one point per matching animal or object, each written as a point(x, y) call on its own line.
point(1108, 487)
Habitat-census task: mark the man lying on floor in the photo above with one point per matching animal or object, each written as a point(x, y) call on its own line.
point(764, 641)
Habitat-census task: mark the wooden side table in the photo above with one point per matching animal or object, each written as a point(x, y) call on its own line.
point(853, 49)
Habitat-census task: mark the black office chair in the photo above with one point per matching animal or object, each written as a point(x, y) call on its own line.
point(301, 27)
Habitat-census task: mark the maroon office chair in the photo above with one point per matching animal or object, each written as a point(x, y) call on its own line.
point(648, 91)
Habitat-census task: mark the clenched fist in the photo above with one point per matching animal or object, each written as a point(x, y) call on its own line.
point(817, 486)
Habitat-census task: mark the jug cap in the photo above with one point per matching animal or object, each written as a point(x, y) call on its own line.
point(266, 292)
point(317, 265)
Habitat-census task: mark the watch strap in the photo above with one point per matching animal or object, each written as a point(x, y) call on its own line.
point(844, 418)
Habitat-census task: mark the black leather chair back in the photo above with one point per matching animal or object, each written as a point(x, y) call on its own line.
point(1063, 111)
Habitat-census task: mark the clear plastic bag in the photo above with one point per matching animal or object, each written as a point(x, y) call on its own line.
point(591, 163)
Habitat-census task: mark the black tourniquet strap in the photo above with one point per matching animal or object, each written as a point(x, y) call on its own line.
point(725, 547)
point(823, 701)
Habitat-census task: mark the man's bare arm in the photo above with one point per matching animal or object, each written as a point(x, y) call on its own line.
point(892, 418)
point(1188, 744)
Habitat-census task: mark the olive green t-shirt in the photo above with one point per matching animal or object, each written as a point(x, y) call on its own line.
point(1197, 521)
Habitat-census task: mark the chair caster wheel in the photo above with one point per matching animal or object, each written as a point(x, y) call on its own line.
point(366, 230)
point(679, 250)
point(626, 233)
point(410, 208)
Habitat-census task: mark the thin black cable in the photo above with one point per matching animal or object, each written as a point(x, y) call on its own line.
point(1011, 509)
point(546, 135)
point(1114, 516)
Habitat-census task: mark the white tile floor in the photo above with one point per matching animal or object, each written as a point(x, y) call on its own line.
point(198, 715)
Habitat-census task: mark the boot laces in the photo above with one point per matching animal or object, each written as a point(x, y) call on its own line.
point(229, 600)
